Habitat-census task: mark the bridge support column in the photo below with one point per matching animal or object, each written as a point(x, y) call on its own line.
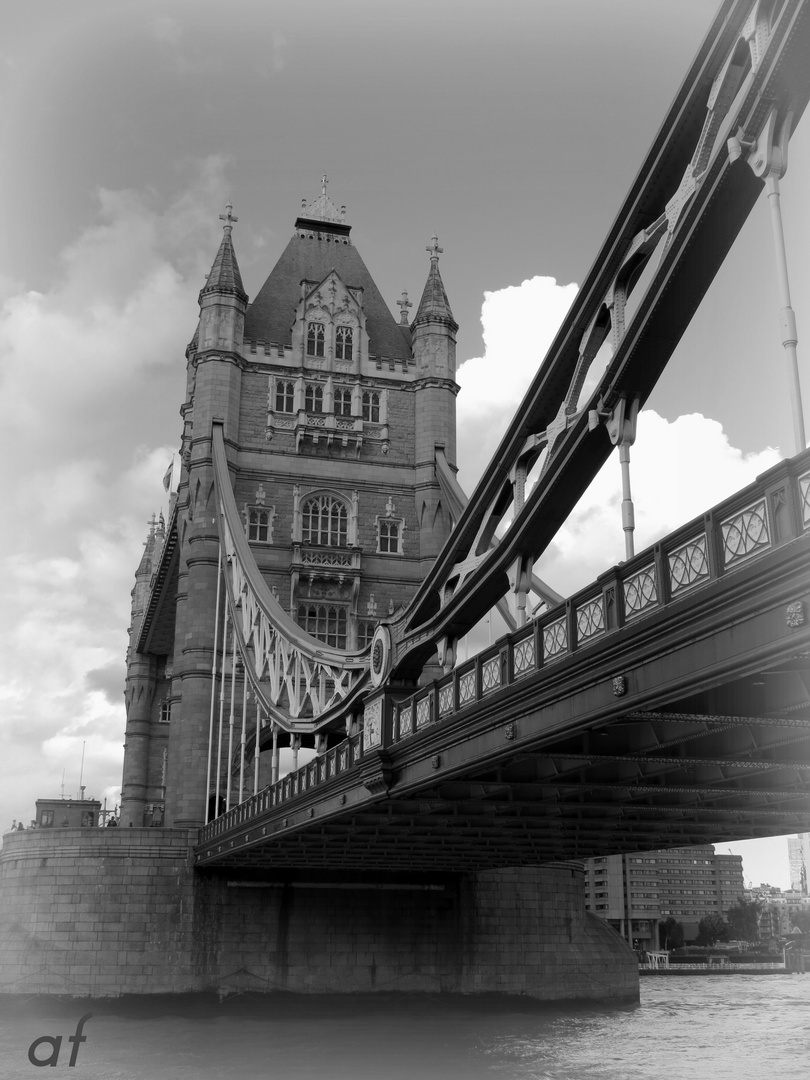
point(519, 931)
point(529, 934)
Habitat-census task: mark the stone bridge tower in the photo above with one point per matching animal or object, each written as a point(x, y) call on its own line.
point(332, 411)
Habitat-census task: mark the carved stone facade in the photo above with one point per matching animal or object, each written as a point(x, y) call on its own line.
point(332, 411)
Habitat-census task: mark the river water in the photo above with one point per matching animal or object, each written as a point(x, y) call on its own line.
point(734, 1027)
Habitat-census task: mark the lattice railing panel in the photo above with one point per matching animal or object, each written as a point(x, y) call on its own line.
point(491, 675)
point(745, 533)
point(590, 619)
point(524, 657)
point(688, 565)
point(640, 592)
point(555, 639)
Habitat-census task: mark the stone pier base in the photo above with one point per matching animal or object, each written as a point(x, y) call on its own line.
point(103, 912)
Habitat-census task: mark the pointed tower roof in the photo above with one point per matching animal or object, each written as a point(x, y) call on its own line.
point(320, 245)
point(225, 276)
point(434, 305)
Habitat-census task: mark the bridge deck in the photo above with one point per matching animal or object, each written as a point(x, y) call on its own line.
point(667, 704)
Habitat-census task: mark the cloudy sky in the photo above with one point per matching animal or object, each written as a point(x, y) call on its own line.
point(512, 130)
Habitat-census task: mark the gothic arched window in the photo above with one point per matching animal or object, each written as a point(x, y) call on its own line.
point(285, 396)
point(371, 406)
point(315, 339)
point(343, 401)
point(260, 524)
point(313, 399)
point(389, 536)
point(325, 521)
point(343, 343)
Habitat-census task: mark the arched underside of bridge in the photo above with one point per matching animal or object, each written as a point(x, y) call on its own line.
point(690, 725)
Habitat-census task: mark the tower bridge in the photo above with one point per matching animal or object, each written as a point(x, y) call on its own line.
point(320, 565)
point(666, 704)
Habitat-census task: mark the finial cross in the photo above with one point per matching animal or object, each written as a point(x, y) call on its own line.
point(433, 248)
point(228, 217)
point(404, 304)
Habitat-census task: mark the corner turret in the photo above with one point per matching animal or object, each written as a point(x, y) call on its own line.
point(223, 300)
point(140, 687)
point(433, 333)
point(434, 307)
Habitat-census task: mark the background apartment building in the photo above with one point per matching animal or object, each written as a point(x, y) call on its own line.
point(782, 909)
point(636, 892)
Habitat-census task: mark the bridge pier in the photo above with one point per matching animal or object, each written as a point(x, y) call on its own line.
point(105, 912)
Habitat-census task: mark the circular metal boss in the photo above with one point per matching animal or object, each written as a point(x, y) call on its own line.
point(380, 655)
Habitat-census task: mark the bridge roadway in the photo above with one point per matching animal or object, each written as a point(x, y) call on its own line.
point(666, 704)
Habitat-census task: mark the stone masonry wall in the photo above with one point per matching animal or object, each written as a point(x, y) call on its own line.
point(530, 934)
point(97, 912)
point(104, 912)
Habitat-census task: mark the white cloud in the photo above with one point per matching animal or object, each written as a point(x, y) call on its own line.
point(519, 323)
point(678, 469)
point(91, 373)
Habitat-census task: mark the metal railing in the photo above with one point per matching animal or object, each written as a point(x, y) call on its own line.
point(765, 515)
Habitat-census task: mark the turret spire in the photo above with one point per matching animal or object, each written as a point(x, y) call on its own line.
point(434, 305)
point(225, 276)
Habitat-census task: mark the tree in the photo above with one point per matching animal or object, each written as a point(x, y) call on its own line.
point(711, 929)
point(670, 934)
point(743, 919)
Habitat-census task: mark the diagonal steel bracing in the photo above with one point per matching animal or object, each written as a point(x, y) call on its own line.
point(667, 650)
point(684, 209)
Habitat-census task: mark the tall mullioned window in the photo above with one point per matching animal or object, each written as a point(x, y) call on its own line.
point(343, 343)
point(315, 339)
point(343, 401)
point(313, 399)
point(325, 521)
point(371, 406)
point(389, 536)
point(285, 396)
point(260, 524)
point(327, 622)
